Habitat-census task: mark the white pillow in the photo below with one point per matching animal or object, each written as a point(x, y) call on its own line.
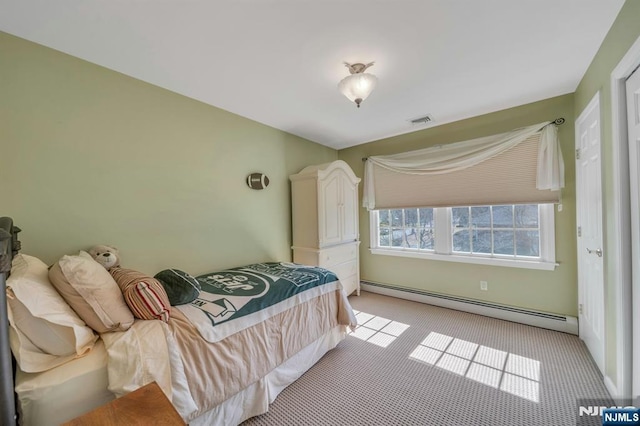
point(45, 332)
point(92, 292)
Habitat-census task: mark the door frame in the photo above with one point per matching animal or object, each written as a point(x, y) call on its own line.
point(621, 249)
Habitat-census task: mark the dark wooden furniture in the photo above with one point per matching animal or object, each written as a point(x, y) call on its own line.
point(145, 406)
point(9, 246)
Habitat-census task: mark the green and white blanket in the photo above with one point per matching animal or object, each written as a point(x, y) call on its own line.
point(238, 298)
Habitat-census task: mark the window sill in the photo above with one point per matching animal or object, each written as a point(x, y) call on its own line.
point(479, 260)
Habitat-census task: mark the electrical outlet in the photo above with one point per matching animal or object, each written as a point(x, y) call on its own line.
point(483, 286)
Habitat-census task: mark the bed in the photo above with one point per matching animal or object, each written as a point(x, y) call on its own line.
point(220, 359)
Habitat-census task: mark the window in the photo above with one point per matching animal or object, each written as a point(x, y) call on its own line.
point(500, 230)
point(509, 235)
point(412, 228)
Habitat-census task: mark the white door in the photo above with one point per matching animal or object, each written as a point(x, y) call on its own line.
point(589, 218)
point(633, 123)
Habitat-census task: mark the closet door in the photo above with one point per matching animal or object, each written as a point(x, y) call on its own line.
point(349, 210)
point(330, 210)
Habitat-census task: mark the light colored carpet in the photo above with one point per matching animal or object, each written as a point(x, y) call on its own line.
point(446, 368)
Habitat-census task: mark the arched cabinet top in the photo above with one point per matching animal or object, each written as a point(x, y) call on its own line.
point(320, 171)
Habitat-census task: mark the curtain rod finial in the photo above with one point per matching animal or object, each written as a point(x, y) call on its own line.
point(558, 121)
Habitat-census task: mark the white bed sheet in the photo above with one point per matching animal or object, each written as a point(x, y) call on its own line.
point(65, 392)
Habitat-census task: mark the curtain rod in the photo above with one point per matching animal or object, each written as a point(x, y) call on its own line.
point(558, 122)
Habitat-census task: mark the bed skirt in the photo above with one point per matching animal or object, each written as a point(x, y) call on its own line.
point(255, 399)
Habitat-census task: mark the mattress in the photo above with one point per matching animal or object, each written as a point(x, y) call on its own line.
point(65, 392)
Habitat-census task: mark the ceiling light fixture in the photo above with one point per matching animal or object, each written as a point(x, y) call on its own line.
point(359, 84)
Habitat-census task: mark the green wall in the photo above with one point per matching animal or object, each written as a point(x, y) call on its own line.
point(550, 291)
point(90, 156)
point(624, 32)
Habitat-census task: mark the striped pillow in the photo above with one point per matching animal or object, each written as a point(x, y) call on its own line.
point(144, 295)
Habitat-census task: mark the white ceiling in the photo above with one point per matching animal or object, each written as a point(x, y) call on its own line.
point(279, 61)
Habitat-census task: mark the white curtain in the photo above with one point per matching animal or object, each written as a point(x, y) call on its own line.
point(461, 155)
point(550, 163)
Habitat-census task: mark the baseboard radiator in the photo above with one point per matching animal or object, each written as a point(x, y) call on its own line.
point(565, 324)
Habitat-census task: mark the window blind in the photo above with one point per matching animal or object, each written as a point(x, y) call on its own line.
point(509, 177)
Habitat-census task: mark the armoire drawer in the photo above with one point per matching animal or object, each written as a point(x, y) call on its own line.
point(351, 284)
point(344, 269)
point(339, 254)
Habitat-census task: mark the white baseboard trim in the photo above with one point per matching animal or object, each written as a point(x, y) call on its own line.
point(613, 390)
point(565, 324)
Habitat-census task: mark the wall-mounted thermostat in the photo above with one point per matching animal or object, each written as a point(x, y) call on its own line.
point(257, 181)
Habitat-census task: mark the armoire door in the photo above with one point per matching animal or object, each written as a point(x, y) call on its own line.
point(330, 213)
point(350, 229)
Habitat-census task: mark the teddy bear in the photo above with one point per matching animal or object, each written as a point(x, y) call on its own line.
point(107, 256)
point(145, 296)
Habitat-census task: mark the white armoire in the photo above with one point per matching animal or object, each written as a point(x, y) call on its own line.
point(324, 201)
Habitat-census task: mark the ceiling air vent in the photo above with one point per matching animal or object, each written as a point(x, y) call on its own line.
point(422, 120)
